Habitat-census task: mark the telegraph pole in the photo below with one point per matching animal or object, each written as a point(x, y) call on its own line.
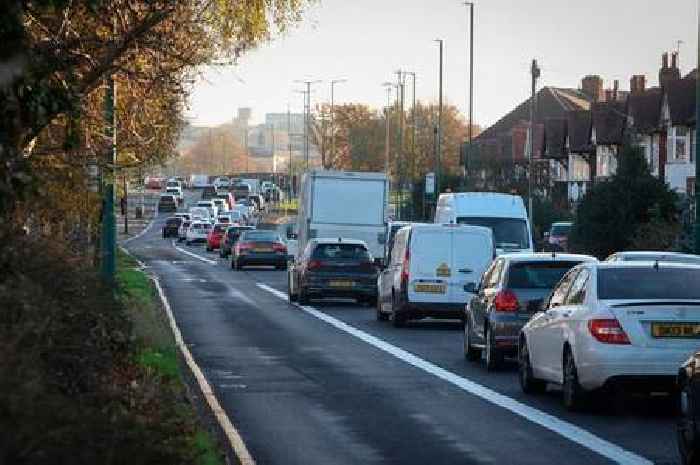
point(333, 83)
point(108, 262)
point(471, 77)
point(307, 118)
point(535, 73)
point(401, 168)
point(289, 147)
point(697, 154)
point(438, 157)
point(386, 124)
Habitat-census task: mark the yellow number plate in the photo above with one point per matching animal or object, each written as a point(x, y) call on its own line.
point(431, 288)
point(681, 330)
point(262, 250)
point(341, 283)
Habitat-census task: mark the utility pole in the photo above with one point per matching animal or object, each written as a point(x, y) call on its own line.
point(401, 168)
point(307, 118)
point(535, 73)
point(245, 142)
point(438, 161)
point(333, 83)
point(108, 262)
point(289, 147)
point(471, 79)
point(697, 154)
point(412, 164)
point(386, 124)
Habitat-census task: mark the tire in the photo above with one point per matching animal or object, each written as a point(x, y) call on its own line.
point(685, 432)
point(233, 264)
point(292, 297)
point(494, 357)
point(470, 353)
point(398, 319)
point(575, 397)
point(302, 297)
point(381, 316)
point(528, 383)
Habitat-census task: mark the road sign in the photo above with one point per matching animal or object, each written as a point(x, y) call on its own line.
point(430, 183)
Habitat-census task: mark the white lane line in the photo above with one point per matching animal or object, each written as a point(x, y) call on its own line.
point(563, 428)
point(144, 231)
point(194, 255)
point(232, 434)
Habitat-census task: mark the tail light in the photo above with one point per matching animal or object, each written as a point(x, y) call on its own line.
point(277, 247)
point(506, 301)
point(406, 266)
point(313, 265)
point(244, 246)
point(608, 331)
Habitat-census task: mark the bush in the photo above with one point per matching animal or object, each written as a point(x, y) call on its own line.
point(616, 214)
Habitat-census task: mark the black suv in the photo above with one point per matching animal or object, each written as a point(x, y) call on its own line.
point(171, 227)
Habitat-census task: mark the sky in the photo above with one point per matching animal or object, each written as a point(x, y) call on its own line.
point(367, 41)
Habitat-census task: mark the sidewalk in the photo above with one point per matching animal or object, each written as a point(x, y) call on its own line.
point(137, 225)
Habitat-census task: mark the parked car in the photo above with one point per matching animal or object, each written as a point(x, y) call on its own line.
point(510, 292)
point(171, 226)
point(334, 268)
point(197, 232)
point(607, 324)
point(167, 203)
point(259, 248)
point(688, 430)
point(434, 270)
point(209, 192)
point(182, 231)
point(230, 238)
point(214, 236)
point(557, 237)
point(671, 257)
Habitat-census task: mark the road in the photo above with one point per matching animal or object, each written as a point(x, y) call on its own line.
point(328, 384)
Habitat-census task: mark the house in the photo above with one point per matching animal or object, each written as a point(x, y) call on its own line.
point(678, 122)
point(581, 153)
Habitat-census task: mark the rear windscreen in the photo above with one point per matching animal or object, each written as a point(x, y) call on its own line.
point(173, 221)
point(507, 232)
point(650, 283)
point(561, 229)
point(260, 236)
point(537, 275)
point(341, 252)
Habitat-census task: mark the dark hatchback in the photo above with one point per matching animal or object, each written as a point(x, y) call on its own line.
point(167, 203)
point(230, 238)
point(171, 227)
point(259, 248)
point(337, 269)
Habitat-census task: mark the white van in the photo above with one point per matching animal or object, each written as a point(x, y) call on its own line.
point(433, 271)
point(504, 214)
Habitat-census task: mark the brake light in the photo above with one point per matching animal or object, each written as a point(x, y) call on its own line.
point(277, 247)
point(506, 301)
point(313, 265)
point(244, 246)
point(406, 266)
point(608, 331)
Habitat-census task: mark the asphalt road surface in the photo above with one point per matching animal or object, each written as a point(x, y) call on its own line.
point(329, 384)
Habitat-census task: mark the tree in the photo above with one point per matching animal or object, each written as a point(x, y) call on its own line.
point(615, 213)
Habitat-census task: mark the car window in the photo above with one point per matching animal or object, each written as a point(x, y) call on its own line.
point(537, 275)
point(649, 283)
point(559, 293)
point(260, 236)
point(577, 293)
point(399, 246)
point(495, 275)
point(341, 252)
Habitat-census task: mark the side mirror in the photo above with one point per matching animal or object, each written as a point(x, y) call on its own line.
point(379, 263)
point(472, 288)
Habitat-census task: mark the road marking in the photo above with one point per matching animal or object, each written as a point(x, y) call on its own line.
point(563, 428)
point(230, 431)
point(144, 231)
point(194, 255)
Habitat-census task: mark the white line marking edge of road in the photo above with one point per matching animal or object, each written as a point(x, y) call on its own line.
point(194, 255)
point(232, 435)
point(144, 231)
point(563, 428)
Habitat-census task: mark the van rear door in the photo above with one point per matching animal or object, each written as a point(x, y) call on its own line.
point(430, 269)
point(472, 252)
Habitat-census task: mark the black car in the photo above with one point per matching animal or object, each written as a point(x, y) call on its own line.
point(230, 238)
point(259, 248)
point(335, 268)
point(688, 431)
point(167, 203)
point(210, 192)
point(172, 227)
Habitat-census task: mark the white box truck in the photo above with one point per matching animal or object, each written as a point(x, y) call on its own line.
point(344, 204)
point(198, 181)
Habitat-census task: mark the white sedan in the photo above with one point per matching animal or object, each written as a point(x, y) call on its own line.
point(612, 323)
point(197, 232)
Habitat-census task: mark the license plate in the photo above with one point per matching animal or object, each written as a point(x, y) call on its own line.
point(431, 288)
point(341, 283)
point(679, 330)
point(262, 250)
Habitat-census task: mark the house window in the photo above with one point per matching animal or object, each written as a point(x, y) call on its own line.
point(681, 151)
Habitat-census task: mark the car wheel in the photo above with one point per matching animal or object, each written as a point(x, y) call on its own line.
point(209, 249)
point(494, 357)
point(685, 432)
point(303, 297)
point(398, 319)
point(381, 316)
point(470, 352)
point(528, 383)
point(574, 395)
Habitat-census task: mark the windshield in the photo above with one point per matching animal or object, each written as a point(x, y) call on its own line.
point(641, 283)
point(561, 229)
point(507, 232)
point(268, 236)
point(341, 252)
point(537, 275)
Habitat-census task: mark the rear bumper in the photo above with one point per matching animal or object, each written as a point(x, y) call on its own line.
point(506, 329)
point(262, 259)
point(442, 310)
point(169, 232)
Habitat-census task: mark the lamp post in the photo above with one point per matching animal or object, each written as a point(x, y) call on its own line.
point(333, 83)
point(388, 86)
point(535, 74)
point(438, 132)
point(471, 76)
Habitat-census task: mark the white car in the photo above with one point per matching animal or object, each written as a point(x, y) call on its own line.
point(201, 213)
point(638, 256)
point(209, 205)
point(182, 230)
point(222, 182)
point(197, 232)
point(612, 323)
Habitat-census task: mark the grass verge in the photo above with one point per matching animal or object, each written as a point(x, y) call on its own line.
point(157, 354)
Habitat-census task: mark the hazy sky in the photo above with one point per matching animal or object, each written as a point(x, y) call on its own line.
point(366, 41)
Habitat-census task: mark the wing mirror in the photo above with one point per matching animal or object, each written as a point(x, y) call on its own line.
point(472, 288)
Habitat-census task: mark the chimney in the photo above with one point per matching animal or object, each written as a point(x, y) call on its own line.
point(664, 60)
point(668, 74)
point(592, 86)
point(638, 84)
point(674, 60)
point(616, 87)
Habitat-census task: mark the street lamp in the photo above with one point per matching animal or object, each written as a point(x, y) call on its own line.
point(333, 83)
point(438, 131)
point(388, 86)
point(471, 73)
